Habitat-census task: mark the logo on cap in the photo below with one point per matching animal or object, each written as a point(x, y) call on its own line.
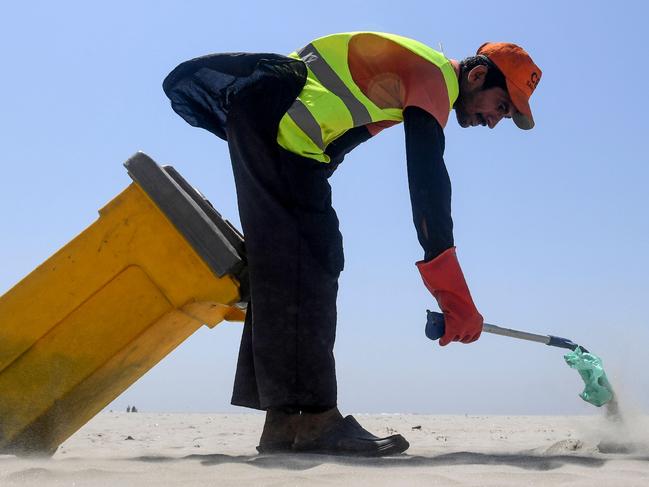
point(534, 80)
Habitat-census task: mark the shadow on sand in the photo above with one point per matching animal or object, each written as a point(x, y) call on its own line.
point(305, 462)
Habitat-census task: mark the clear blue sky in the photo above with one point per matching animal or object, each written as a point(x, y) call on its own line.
point(551, 225)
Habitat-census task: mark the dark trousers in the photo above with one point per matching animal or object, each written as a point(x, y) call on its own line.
point(294, 250)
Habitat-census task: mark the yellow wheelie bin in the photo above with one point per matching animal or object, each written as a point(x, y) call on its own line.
point(157, 264)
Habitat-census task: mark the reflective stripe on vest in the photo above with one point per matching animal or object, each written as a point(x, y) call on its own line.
point(307, 122)
point(331, 81)
point(331, 103)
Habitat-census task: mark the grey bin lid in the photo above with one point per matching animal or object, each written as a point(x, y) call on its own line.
point(215, 239)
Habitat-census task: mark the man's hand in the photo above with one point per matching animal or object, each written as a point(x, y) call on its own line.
point(444, 279)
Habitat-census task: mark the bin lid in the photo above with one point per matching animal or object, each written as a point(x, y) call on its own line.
point(213, 238)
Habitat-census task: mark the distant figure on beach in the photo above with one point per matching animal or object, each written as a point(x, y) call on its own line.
point(289, 122)
point(128, 409)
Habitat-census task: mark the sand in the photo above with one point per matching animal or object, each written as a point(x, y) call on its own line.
point(142, 449)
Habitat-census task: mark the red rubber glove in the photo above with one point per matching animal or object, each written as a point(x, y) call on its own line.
point(444, 279)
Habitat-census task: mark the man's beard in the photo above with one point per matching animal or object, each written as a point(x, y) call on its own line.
point(461, 115)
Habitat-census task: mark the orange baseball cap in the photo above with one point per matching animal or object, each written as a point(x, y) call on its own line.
point(521, 75)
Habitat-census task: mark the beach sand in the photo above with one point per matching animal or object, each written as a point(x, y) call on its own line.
point(142, 449)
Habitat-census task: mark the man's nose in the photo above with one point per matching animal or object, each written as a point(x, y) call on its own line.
point(492, 120)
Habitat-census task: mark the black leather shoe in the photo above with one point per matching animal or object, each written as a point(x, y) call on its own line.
point(276, 447)
point(349, 438)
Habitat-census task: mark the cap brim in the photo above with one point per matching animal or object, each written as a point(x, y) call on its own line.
point(523, 121)
point(523, 117)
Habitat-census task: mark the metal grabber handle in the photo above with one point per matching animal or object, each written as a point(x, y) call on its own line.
point(435, 327)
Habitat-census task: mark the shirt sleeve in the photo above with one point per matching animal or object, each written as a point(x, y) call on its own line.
point(344, 144)
point(428, 180)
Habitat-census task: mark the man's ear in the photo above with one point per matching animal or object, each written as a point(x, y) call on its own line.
point(476, 76)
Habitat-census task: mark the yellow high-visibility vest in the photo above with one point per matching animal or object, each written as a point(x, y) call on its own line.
point(331, 103)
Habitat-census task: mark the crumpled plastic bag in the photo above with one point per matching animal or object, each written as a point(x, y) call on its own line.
point(598, 390)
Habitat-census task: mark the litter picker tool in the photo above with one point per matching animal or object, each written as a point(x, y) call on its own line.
point(598, 390)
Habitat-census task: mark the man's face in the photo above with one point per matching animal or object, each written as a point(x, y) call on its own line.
point(475, 106)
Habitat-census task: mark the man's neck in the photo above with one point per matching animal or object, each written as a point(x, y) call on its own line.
point(456, 68)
